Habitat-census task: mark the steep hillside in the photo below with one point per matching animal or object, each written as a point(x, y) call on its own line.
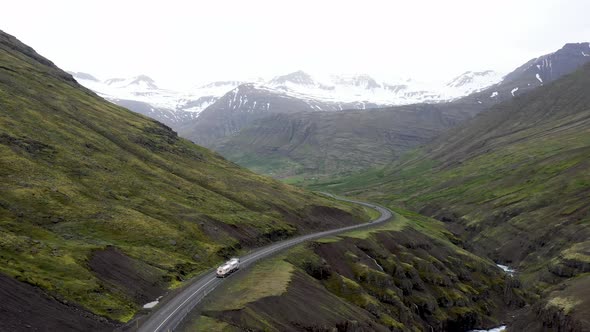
point(536, 72)
point(513, 183)
point(319, 144)
point(103, 209)
point(404, 276)
point(244, 105)
point(307, 146)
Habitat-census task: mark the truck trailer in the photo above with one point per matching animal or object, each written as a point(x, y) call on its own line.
point(228, 268)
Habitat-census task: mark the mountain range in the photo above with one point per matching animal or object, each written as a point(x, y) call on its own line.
point(175, 108)
point(512, 184)
point(312, 144)
point(242, 120)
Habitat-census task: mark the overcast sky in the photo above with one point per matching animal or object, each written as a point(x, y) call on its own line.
point(185, 43)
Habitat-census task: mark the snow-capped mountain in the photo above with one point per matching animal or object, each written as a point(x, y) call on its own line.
point(299, 78)
point(242, 106)
point(251, 102)
point(536, 72)
point(336, 92)
point(470, 81)
point(141, 82)
point(83, 76)
point(364, 88)
point(142, 95)
point(362, 81)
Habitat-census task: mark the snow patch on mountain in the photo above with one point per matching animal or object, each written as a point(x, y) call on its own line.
point(358, 91)
point(363, 88)
point(470, 82)
point(144, 89)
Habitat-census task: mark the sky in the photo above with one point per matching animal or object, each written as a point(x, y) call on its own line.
point(187, 43)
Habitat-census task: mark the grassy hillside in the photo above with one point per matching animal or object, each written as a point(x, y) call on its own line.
point(404, 276)
point(513, 183)
point(308, 145)
point(106, 208)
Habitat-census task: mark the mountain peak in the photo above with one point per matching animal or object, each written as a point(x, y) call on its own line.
point(583, 45)
point(358, 80)
point(114, 80)
point(551, 66)
point(144, 80)
point(83, 76)
point(218, 84)
point(298, 77)
point(143, 77)
point(478, 79)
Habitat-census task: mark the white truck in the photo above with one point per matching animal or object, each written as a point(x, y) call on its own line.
point(228, 268)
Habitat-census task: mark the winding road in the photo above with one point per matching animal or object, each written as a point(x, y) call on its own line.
point(167, 316)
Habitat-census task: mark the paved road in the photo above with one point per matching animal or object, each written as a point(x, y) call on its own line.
point(169, 315)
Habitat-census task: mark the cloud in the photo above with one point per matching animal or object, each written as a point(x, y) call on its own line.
point(190, 42)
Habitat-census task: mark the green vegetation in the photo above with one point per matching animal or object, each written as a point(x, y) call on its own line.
point(372, 213)
point(404, 276)
point(80, 175)
point(516, 174)
point(267, 278)
point(512, 183)
point(302, 147)
point(398, 223)
point(204, 323)
point(566, 304)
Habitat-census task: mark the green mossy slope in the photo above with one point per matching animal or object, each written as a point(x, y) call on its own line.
point(513, 184)
point(406, 276)
point(86, 185)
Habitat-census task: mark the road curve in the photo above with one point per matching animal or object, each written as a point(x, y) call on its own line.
point(168, 315)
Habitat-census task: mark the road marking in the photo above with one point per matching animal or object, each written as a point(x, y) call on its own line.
point(175, 310)
point(385, 215)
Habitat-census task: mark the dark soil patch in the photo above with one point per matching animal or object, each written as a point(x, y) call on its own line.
point(312, 219)
point(30, 146)
point(24, 307)
point(292, 312)
point(141, 282)
point(319, 217)
point(333, 253)
point(246, 235)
